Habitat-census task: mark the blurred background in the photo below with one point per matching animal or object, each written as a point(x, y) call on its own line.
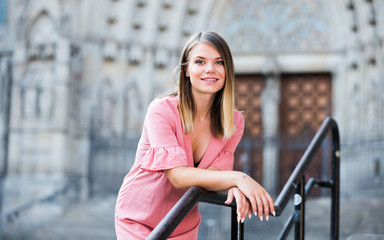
point(76, 77)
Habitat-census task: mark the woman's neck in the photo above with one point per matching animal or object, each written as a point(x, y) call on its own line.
point(203, 106)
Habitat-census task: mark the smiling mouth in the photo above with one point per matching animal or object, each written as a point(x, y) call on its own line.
point(209, 79)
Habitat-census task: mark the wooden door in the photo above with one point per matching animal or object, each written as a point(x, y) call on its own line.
point(249, 153)
point(305, 103)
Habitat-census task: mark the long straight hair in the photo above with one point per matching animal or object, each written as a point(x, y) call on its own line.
point(223, 105)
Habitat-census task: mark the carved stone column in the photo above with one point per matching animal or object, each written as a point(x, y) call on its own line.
point(270, 99)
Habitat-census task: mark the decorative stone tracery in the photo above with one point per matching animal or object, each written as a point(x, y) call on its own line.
point(42, 38)
point(263, 25)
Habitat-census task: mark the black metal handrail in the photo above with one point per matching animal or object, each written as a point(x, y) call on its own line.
point(297, 180)
point(294, 186)
point(186, 203)
point(308, 189)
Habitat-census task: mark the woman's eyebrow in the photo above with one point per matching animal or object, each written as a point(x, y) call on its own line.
point(206, 58)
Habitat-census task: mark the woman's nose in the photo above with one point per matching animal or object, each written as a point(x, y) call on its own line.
point(209, 67)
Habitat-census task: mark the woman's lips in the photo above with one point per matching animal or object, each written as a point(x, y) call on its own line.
point(209, 80)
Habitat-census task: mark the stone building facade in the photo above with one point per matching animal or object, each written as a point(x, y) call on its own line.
point(84, 71)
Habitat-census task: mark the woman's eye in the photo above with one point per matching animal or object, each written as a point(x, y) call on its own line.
point(220, 62)
point(199, 62)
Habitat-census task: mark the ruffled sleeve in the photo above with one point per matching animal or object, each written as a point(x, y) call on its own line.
point(161, 158)
point(163, 138)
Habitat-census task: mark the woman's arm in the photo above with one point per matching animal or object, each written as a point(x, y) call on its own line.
point(213, 180)
point(243, 206)
point(185, 177)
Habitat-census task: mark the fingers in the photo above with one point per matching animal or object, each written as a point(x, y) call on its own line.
point(266, 207)
point(242, 205)
point(253, 205)
point(260, 201)
point(271, 205)
point(260, 207)
point(230, 197)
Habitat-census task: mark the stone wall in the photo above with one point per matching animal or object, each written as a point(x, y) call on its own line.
point(78, 63)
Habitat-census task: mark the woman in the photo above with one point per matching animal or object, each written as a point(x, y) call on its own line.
point(189, 139)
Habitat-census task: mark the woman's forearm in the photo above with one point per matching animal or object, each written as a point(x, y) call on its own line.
point(185, 177)
point(258, 197)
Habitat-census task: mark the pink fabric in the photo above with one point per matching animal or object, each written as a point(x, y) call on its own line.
point(146, 194)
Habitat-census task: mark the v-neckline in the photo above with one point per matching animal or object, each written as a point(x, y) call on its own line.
point(191, 150)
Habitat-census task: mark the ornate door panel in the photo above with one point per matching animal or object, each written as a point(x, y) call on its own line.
point(249, 153)
point(305, 102)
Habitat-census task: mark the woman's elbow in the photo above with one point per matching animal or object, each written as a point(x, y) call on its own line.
point(176, 178)
point(176, 184)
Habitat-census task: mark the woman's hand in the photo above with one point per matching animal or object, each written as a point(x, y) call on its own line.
point(214, 180)
point(243, 207)
point(261, 202)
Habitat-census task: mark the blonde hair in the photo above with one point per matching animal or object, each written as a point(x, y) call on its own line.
point(223, 105)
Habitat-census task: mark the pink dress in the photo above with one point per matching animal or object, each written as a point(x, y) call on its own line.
point(146, 194)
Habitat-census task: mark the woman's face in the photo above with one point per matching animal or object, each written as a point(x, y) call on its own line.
point(205, 70)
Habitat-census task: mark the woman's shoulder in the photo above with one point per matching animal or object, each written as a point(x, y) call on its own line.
point(168, 100)
point(238, 117)
point(164, 105)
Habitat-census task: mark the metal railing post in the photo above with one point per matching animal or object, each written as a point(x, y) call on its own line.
point(299, 201)
point(335, 192)
point(233, 224)
point(237, 228)
point(240, 231)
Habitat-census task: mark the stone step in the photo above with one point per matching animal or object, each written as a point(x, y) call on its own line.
point(94, 219)
point(80, 220)
point(364, 236)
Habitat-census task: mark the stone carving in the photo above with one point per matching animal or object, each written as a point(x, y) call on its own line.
point(107, 108)
point(135, 54)
point(352, 16)
point(372, 105)
point(161, 58)
point(42, 39)
point(260, 25)
point(45, 97)
point(133, 107)
point(43, 30)
point(354, 91)
point(110, 51)
point(33, 52)
point(137, 18)
point(48, 51)
point(43, 51)
point(29, 96)
point(168, 3)
point(37, 96)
